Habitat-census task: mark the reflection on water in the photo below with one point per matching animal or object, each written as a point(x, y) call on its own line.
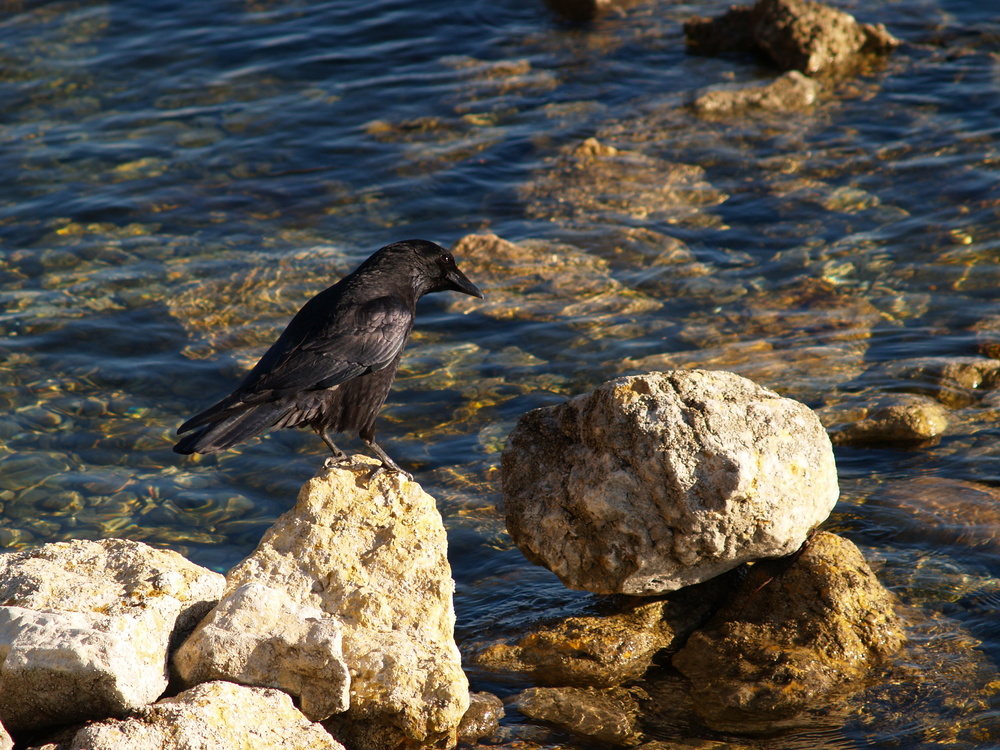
point(181, 177)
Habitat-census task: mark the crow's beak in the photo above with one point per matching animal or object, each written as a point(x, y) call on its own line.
point(459, 282)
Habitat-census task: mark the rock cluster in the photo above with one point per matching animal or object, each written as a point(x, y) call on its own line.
point(806, 39)
point(655, 482)
point(343, 613)
point(758, 646)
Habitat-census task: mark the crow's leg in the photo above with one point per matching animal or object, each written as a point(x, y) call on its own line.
point(338, 455)
point(387, 463)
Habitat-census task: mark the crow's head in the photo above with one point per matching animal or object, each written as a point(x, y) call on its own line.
point(436, 271)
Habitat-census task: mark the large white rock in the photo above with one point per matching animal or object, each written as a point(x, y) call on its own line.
point(658, 481)
point(213, 715)
point(258, 636)
point(370, 551)
point(87, 625)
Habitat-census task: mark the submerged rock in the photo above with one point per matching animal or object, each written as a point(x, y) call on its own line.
point(799, 635)
point(791, 91)
point(482, 719)
point(895, 418)
point(954, 381)
point(595, 181)
point(211, 715)
point(605, 715)
point(370, 551)
point(540, 280)
point(794, 34)
point(86, 626)
point(658, 481)
point(604, 649)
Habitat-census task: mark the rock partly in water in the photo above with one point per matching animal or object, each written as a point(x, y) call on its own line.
point(793, 34)
point(258, 635)
point(954, 381)
point(659, 481)
point(790, 92)
point(799, 635)
point(605, 649)
point(896, 418)
point(369, 549)
point(482, 719)
point(86, 627)
point(211, 715)
point(606, 715)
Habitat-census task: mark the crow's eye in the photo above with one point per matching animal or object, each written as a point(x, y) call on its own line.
point(447, 258)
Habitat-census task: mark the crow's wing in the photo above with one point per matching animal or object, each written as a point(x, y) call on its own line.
point(368, 340)
point(313, 353)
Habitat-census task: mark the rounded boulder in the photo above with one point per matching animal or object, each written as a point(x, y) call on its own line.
point(654, 482)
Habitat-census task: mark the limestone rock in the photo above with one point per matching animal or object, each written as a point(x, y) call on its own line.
point(799, 634)
point(87, 625)
point(658, 481)
point(791, 91)
point(812, 37)
point(893, 418)
point(608, 715)
point(6, 743)
point(794, 34)
point(604, 649)
point(258, 636)
point(370, 550)
point(211, 715)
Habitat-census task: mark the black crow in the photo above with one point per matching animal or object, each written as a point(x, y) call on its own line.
point(332, 367)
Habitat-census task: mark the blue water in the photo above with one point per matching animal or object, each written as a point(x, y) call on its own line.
point(180, 177)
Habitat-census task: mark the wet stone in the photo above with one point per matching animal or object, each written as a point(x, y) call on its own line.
point(954, 381)
point(605, 715)
point(482, 719)
point(801, 634)
point(898, 418)
point(790, 92)
point(605, 649)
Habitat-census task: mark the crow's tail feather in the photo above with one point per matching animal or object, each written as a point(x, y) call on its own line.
point(232, 430)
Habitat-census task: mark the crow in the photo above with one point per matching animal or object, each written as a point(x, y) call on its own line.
point(332, 367)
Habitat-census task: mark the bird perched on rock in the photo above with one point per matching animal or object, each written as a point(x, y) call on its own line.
point(332, 367)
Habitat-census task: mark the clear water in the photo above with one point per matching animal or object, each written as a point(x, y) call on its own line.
point(180, 177)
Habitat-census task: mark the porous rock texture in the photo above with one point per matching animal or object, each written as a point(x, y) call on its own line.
point(86, 626)
point(369, 550)
point(794, 34)
point(211, 715)
point(657, 481)
point(798, 637)
point(258, 635)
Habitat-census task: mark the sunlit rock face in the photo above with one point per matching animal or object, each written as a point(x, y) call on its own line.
point(654, 482)
point(86, 627)
point(213, 714)
point(358, 573)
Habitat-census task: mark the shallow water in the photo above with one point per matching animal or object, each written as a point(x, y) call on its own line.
point(181, 177)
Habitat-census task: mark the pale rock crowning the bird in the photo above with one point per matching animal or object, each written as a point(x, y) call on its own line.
point(332, 367)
